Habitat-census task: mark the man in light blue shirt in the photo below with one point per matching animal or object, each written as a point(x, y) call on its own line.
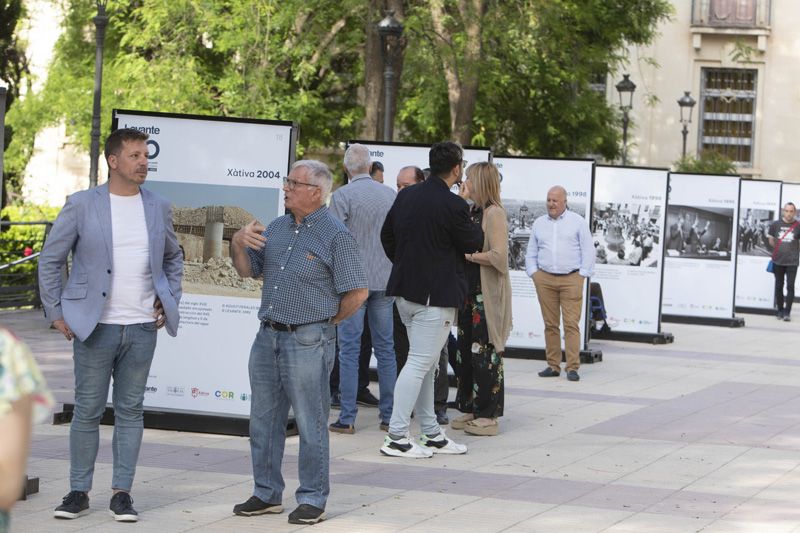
point(560, 256)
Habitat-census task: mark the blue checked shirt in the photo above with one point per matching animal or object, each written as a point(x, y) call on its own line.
point(306, 268)
point(362, 206)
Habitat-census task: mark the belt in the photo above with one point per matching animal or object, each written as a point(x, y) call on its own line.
point(277, 326)
point(565, 274)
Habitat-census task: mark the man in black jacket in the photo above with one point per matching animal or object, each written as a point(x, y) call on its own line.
point(425, 235)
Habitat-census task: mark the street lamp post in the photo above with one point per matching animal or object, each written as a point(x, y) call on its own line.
point(625, 89)
point(390, 31)
point(686, 103)
point(3, 91)
point(100, 22)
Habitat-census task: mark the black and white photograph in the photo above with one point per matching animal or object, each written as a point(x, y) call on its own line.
point(521, 214)
point(753, 226)
point(626, 234)
point(699, 232)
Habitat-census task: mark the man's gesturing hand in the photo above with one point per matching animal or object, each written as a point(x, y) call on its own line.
point(250, 236)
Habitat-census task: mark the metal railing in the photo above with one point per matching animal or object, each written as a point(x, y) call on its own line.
point(19, 266)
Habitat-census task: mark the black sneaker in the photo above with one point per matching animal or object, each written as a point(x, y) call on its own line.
point(121, 508)
point(256, 506)
point(74, 505)
point(306, 514)
point(441, 417)
point(367, 399)
point(338, 427)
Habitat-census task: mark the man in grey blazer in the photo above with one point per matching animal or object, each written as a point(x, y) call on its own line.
point(124, 284)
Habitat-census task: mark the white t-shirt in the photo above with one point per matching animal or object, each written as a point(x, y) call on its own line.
point(130, 300)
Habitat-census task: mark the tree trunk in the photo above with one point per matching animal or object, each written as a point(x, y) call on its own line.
point(461, 73)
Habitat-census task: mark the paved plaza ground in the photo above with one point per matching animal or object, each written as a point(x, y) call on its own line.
point(699, 435)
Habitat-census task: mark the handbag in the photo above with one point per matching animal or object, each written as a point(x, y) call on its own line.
point(771, 264)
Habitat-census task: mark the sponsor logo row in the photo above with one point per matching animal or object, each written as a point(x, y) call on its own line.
point(197, 392)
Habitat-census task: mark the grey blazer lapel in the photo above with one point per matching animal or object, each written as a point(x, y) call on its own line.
point(102, 204)
point(153, 224)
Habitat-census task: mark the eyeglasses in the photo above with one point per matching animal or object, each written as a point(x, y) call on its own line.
point(291, 184)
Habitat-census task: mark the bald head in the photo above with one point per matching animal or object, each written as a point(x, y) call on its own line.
point(556, 201)
point(409, 176)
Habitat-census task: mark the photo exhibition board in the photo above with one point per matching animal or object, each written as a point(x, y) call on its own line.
point(790, 192)
point(628, 231)
point(524, 194)
point(395, 156)
point(219, 175)
point(759, 206)
point(701, 243)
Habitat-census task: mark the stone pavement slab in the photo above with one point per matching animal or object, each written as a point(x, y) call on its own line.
point(699, 435)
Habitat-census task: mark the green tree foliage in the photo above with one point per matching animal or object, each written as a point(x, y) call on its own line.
point(540, 59)
point(708, 162)
point(303, 60)
point(13, 67)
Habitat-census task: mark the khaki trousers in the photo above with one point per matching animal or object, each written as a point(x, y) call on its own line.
point(561, 295)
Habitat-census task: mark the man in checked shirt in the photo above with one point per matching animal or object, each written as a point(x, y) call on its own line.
point(313, 279)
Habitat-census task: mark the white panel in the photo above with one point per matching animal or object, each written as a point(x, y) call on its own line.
point(524, 192)
point(759, 205)
point(701, 242)
point(197, 163)
point(629, 212)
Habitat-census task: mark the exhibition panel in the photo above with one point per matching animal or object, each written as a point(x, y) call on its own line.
point(628, 229)
point(701, 246)
point(759, 205)
point(219, 174)
point(524, 192)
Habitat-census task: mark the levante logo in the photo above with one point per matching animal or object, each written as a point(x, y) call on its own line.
point(153, 148)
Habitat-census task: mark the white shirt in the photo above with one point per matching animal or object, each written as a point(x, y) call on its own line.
point(131, 298)
point(560, 245)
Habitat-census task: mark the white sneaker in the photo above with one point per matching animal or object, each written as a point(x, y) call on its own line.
point(442, 444)
point(404, 447)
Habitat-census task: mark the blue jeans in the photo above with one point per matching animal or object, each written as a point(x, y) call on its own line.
point(124, 352)
point(291, 369)
point(427, 328)
point(378, 308)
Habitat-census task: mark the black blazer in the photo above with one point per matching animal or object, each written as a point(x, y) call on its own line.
point(426, 234)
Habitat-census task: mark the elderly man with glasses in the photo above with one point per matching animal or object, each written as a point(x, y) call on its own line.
point(313, 279)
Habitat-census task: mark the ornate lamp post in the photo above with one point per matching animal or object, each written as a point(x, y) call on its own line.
point(686, 103)
point(3, 91)
point(625, 88)
point(100, 22)
point(390, 31)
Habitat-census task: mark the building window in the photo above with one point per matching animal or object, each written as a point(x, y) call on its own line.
point(727, 113)
point(731, 13)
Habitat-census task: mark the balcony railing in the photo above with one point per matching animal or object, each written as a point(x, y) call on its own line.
point(742, 14)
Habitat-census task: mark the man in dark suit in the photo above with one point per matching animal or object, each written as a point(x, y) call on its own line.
point(425, 235)
point(676, 240)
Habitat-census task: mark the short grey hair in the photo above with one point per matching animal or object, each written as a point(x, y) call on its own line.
point(357, 159)
point(319, 174)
